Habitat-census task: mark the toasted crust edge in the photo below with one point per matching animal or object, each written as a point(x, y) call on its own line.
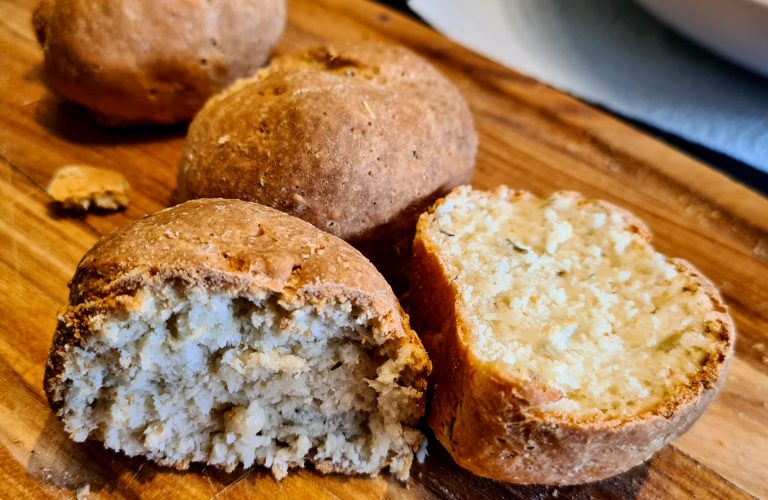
point(481, 415)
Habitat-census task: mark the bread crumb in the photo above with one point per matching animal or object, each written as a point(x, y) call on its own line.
point(613, 165)
point(81, 187)
point(368, 109)
point(84, 492)
point(760, 250)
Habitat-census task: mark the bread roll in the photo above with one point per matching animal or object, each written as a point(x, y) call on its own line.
point(357, 139)
point(152, 61)
point(228, 333)
point(566, 349)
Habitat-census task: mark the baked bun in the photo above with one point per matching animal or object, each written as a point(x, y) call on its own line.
point(357, 139)
point(153, 61)
point(566, 349)
point(250, 338)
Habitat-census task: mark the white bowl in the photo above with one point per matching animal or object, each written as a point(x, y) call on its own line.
point(735, 29)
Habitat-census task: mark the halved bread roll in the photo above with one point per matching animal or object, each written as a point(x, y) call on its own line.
point(566, 349)
point(225, 332)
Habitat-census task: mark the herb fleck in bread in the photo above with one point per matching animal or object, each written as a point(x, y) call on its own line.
point(357, 139)
point(566, 349)
point(250, 338)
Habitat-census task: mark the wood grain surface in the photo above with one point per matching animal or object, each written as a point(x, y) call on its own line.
point(531, 137)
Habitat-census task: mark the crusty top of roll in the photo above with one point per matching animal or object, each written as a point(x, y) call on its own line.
point(355, 138)
point(228, 245)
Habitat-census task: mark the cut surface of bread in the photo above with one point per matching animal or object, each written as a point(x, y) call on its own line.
point(234, 369)
point(226, 380)
point(569, 293)
point(565, 303)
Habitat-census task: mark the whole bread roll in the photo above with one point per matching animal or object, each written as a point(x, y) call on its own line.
point(566, 349)
point(357, 138)
point(152, 61)
point(251, 338)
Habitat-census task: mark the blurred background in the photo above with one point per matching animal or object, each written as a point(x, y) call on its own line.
point(690, 72)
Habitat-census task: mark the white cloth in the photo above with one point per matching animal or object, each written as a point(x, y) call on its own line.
point(612, 53)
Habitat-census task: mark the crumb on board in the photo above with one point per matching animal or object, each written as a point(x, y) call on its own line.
point(82, 187)
point(84, 492)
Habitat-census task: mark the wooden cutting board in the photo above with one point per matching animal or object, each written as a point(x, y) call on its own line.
point(530, 137)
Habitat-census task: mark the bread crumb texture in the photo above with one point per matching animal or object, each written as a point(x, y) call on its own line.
point(569, 293)
point(81, 187)
point(193, 377)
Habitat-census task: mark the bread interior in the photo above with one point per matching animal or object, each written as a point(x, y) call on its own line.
point(190, 376)
point(566, 292)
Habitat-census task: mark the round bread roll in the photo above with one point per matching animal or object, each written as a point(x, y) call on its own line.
point(566, 349)
point(153, 61)
point(253, 338)
point(357, 139)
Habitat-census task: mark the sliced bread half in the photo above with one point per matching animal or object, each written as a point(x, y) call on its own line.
point(565, 348)
point(228, 333)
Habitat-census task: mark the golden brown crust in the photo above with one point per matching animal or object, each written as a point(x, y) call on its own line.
point(153, 61)
point(487, 420)
point(357, 139)
point(234, 247)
